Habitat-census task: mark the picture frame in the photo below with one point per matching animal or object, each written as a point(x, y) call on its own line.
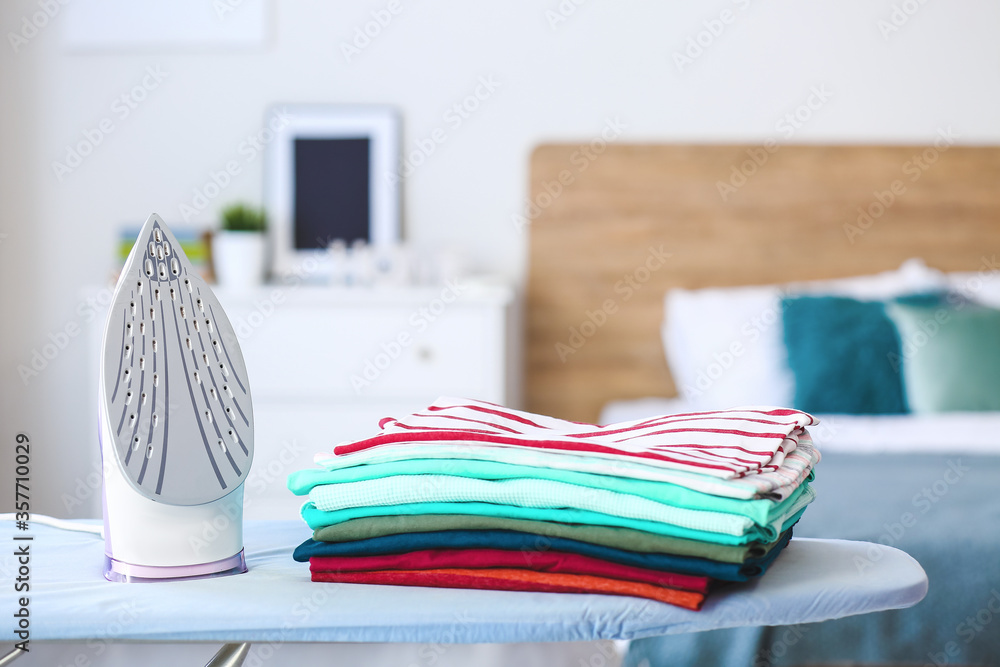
point(327, 177)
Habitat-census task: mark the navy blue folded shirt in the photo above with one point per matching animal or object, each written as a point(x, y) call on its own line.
point(517, 541)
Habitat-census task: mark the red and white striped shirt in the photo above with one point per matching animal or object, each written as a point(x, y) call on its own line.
point(726, 444)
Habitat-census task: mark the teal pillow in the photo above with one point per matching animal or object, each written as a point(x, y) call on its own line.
point(838, 351)
point(950, 356)
point(936, 298)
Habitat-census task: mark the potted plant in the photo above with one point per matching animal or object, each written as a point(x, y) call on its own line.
point(239, 248)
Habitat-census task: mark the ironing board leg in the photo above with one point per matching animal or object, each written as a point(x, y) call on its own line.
point(11, 657)
point(230, 655)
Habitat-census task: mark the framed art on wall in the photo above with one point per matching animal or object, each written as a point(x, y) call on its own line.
point(327, 180)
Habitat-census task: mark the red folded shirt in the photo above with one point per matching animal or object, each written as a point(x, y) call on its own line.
point(517, 580)
point(555, 562)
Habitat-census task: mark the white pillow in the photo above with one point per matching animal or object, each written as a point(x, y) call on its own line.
point(981, 286)
point(725, 346)
point(911, 277)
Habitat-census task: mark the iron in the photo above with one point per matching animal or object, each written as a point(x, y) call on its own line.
point(176, 421)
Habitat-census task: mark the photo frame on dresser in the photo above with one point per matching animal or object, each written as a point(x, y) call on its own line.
point(329, 176)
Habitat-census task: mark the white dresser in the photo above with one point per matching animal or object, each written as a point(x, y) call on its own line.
point(326, 364)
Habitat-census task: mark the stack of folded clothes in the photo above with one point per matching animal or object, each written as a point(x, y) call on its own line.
point(467, 494)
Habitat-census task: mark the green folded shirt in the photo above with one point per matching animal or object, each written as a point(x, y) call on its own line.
point(618, 538)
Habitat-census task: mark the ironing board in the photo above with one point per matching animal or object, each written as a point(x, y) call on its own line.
point(813, 580)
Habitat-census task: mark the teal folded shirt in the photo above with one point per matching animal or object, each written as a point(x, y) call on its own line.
point(759, 511)
point(785, 514)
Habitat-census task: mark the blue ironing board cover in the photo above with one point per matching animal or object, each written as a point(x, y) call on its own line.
point(813, 580)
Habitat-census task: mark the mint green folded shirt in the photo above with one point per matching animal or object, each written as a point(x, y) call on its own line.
point(758, 511)
point(791, 511)
point(523, 492)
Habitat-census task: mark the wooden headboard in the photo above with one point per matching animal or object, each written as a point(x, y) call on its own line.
point(726, 215)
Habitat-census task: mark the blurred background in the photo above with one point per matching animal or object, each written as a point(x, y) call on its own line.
point(557, 78)
point(110, 111)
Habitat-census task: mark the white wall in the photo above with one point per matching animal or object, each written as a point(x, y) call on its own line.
point(605, 61)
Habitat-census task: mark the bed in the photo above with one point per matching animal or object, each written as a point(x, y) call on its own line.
point(712, 236)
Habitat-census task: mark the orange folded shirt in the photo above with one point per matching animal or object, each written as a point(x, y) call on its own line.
point(510, 579)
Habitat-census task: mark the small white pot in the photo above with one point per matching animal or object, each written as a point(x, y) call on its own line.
point(238, 259)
